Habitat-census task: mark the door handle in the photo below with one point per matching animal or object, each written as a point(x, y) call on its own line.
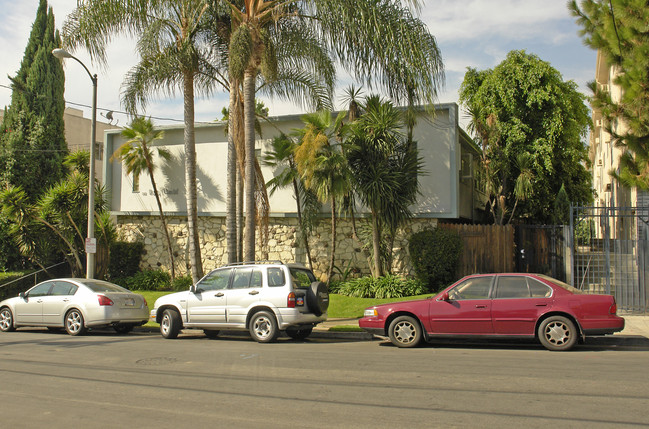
point(480, 306)
point(541, 305)
point(66, 300)
point(254, 292)
point(220, 294)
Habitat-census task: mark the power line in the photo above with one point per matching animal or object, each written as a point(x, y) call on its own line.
point(121, 112)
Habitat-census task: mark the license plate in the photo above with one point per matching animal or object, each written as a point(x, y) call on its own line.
point(129, 302)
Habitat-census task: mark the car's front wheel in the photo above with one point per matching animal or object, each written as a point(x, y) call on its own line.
point(557, 333)
point(263, 327)
point(6, 320)
point(170, 324)
point(405, 331)
point(74, 324)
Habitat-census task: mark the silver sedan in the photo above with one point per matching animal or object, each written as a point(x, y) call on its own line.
point(76, 305)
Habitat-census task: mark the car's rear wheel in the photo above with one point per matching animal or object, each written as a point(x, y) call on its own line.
point(405, 331)
point(263, 327)
point(299, 333)
point(558, 333)
point(211, 333)
point(123, 329)
point(74, 324)
point(170, 324)
point(6, 320)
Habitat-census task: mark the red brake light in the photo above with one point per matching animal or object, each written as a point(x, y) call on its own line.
point(613, 309)
point(104, 300)
point(290, 302)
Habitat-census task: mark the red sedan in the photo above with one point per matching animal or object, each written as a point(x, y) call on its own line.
point(498, 305)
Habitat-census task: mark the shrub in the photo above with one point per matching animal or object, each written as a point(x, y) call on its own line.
point(362, 287)
point(182, 283)
point(388, 286)
point(435, 254)
point(124, 259)
point(149, 280)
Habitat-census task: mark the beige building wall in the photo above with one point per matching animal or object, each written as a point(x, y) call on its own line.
point(77, 135)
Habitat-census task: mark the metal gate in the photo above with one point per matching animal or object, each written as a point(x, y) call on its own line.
point(609, 250)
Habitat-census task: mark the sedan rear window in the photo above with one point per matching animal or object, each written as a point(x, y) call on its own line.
point(561, 284)
point(99, 286)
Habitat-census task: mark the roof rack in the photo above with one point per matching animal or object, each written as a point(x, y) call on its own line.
point(256, 262)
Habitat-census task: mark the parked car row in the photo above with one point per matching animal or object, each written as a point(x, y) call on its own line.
point(271, 297)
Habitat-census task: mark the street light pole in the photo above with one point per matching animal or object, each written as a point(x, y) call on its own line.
point(91, 243)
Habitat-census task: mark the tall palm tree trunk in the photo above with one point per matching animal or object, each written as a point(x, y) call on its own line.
point(333, 240)
point(249, 126)
point(163, 219)
point(190, 179)
point(305, 237)
point(231, 203)
point(376, 244)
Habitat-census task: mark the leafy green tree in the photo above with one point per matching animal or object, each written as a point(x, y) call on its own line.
point(523, 107)
point(32, 141)
point(618, 29)
point(384, 167)
point(137, 153)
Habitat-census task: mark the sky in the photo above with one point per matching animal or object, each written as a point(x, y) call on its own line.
point(470, 33)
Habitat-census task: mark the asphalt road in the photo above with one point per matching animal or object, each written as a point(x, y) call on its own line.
point(143, 381)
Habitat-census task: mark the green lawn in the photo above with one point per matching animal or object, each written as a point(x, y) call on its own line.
point(340, 306)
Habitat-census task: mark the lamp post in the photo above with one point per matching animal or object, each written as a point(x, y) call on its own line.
point(91, 243)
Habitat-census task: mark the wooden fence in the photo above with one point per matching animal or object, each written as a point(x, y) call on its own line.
point(487, 248)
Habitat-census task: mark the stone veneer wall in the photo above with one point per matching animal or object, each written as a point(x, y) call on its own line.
point(283, 243)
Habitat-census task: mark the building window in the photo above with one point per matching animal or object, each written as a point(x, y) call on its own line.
point(99, 151)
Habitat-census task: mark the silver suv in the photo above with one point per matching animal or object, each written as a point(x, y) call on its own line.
point(261, 297)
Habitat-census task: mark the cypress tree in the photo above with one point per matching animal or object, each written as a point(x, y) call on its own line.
point(32, 139)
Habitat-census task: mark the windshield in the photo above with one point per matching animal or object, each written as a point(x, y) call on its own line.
point(302, 277)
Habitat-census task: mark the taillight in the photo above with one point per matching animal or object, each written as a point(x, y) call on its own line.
point(146, 304)
point(290, 302)
point(613, 309)
point(104, 300)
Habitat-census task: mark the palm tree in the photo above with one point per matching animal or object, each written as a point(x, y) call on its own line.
point(323, 167)
point(384, 168)
point(282, 157)
point(173, 57)
point(398, 55)
point(137, 154)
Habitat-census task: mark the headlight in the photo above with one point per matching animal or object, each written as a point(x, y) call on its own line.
point(370, 312)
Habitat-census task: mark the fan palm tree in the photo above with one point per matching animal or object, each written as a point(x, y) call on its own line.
point(137, 154)
point(379, 42)
point(171, 36)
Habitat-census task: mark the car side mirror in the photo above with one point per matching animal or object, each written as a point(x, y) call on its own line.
point(22, 295)
point(443, 297)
